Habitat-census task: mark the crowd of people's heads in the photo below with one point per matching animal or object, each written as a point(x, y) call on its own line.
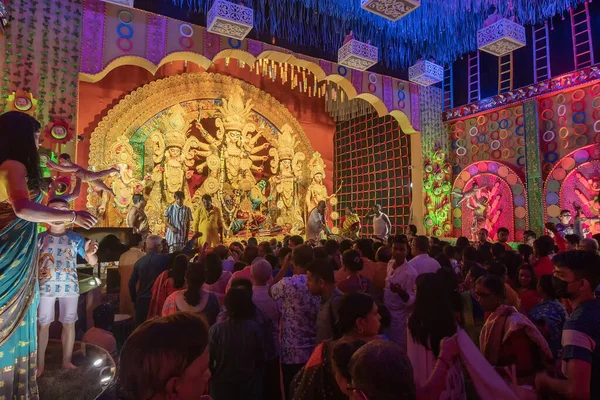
point(361, 364)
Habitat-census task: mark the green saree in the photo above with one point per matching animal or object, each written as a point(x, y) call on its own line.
point(19, 296)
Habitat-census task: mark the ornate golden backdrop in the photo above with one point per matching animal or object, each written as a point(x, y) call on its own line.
point(144, 103)
point(111, 142)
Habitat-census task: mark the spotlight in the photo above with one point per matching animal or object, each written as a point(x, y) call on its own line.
point(98, 362)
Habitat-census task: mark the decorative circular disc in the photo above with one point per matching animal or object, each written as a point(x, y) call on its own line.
point(23, 103)
point(554, 211)
point(520, 212)
point(568, 163)
point(333, 200)
point(553, 185)
point(59, 132)
point(246, 184)
point(517, 189)
point(520, 223)
point(212, 162)
point(211, 185)
point(246, 205)
point(519, 201)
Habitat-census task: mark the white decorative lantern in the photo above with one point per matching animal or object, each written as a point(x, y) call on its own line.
point(124, 3)
point(501, 38)
point(229, 19)
point(357, 55)
point(390, 9)
point(426, 73)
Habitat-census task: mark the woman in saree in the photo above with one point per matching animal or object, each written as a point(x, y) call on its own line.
point(20, 212)
point(508, 338)
point(166, 284)
point(350, 224)
point(359, 320)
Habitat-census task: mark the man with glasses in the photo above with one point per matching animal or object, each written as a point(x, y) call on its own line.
point(565, 227)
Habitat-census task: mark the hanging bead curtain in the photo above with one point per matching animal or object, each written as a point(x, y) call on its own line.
point(442, 30)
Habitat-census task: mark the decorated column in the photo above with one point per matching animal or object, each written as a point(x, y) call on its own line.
point(437, 171)
point(533, 167)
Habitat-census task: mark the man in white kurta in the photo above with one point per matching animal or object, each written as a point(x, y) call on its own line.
point(399, 294)
point(316, 222)
point(421, 261)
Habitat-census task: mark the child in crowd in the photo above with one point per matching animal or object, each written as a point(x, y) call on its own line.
point(527, 289)
point(101, 335)
point(58, 248)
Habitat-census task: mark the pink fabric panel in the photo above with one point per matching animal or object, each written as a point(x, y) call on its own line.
point(93, 36)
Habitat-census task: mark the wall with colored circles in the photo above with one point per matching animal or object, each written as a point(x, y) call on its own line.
point(495, 135)
point(567, 121)
point(506, 205)
point(575, 179)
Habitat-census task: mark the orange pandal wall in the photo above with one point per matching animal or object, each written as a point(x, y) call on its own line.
point(96, 99)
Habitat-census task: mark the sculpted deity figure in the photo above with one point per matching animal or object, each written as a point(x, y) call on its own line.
point(233, 152)
point(124, 158)
point(173, 155)
point(316, 190)
point(286, 165)
point(122, 185)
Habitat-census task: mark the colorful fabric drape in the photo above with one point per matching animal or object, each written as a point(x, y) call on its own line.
point(316, 380)
point(350, 225)
point(499, 327)
point(163, 287)
point(19, 297)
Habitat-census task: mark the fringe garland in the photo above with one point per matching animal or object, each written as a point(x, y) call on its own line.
point(441, 30)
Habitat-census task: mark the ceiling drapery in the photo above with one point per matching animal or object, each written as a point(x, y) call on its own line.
point(441, 30)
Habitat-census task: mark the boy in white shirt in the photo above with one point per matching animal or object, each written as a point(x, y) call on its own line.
point(57, 274)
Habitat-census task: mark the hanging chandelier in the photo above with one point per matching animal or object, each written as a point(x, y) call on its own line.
point(229, 19)
point(426, 73)
point(500, 37)
point(390, 9)
point(357, 55)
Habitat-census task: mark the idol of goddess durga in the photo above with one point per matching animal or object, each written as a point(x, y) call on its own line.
point(232, 154)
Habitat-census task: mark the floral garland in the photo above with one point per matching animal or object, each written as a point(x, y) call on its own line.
point(40, 54)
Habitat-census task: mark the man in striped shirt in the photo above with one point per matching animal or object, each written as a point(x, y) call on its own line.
point(177, 219)
point(575, 278)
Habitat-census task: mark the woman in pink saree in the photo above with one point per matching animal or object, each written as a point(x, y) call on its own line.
point(168, 282)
